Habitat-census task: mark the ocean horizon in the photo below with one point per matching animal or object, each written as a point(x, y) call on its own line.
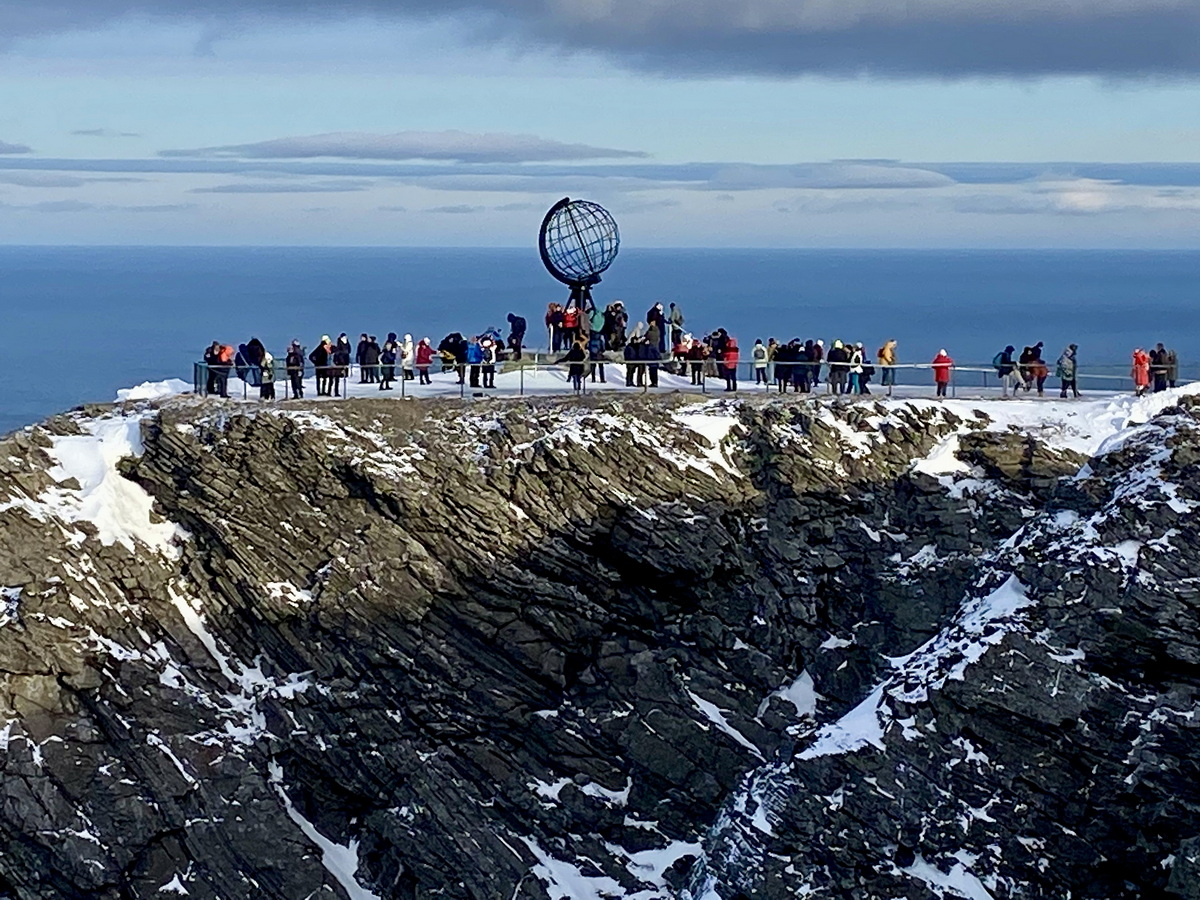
point(89, 320)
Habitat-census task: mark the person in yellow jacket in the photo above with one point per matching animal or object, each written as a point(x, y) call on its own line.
point(887, 360)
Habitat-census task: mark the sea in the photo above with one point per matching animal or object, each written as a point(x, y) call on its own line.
point(81, 322)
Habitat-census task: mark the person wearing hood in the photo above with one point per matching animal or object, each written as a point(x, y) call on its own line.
point(1140, 371)
point(266, 384)
point(341, 363)
point(1066, 370)
point(1010, 375)
point(408, 355)
point(516, 334)
point(360, 354)
point(322, 360)
point(424, 356)
point(761, 359)
point(730, 359)
point(943, 367)
point(294, 362)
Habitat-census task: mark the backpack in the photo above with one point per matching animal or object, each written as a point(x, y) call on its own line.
point(570, 319)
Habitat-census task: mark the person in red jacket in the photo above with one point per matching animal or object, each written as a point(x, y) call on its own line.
point(942, 367)
point(424, 356)
point(730, 358)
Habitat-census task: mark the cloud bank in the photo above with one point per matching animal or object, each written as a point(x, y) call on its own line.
point(940, 38)
point(14, 148)
point(440, 146)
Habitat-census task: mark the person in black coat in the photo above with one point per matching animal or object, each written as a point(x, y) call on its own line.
point(212, 358)
point(295, 368)
point(576, 356)
point(322, 360)
point(341, 363)
point(516, 334)
point(359, 354)
point(370, 360)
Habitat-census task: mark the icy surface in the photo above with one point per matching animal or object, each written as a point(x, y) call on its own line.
point(154, 390)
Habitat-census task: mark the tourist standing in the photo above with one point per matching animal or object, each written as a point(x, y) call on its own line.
point(761, 360)
point(730, 359)
point(360, 355)
point(474, 360)
point(488, 353)
point(855, 369)
point(675, 320)
point(212, 358)
point(387, 361)
point(887, 361)
point(1172, 368)
point(516, 334)
point(424, 360)
point(295, 368)
point(1067, 370)
point(341, 364)
point(1140, 371)
point(266, 384)
point(322, 360)
point(1007, 370)
point(596, 347)
point(408, 355)
point(943, 366)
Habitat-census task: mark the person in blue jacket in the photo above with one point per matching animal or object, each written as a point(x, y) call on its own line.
point(474, 360)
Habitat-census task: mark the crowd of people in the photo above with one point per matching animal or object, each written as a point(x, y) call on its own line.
point(585, 339)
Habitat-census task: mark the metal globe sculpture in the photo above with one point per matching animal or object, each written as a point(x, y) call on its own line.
point(579, 240)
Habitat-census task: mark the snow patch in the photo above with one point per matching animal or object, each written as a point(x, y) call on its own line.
point(958, 882)
point(154, 390)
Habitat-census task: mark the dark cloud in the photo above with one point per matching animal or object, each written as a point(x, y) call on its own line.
point(104, 133)
point(775, 37)
point(443, 146)
point(6, 147)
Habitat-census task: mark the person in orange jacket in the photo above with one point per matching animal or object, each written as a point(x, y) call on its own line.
point(730, 358)
point(942, 366)
point(1140, 371)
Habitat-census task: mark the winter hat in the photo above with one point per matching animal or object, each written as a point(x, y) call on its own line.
point(758, 341)
point(859, 345)
point(837, 345)
point(943, 352)
point(820, 343)
point(1073, 347)
point(325, 339)
point(408, 337)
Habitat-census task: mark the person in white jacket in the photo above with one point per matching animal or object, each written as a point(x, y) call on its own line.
point(408, 353)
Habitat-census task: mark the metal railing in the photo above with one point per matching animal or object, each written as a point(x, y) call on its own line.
point(644, 375)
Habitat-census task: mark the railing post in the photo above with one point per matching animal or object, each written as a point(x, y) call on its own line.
point(521, 388)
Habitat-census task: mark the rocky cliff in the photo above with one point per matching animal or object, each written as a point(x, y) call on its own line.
point(570, 649)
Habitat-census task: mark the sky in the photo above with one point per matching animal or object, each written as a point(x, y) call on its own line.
point(698, 123)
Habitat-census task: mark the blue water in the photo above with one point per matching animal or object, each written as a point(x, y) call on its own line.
point(81, 322)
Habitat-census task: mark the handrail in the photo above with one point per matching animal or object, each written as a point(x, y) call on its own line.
point(701, 370)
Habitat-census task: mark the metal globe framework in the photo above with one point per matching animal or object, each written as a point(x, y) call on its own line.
point(579, 241)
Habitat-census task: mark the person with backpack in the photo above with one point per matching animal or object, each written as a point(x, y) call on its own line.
point(943, 367)
point(1066, 370)
point(1007, 370)
point(294, 362)
point(596, 347)
point(886, 357)
point(855, 369)
point(761, 359)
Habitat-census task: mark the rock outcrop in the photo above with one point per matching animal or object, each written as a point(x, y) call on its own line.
point(560, 649)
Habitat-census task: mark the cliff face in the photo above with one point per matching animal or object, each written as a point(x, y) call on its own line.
point(564, 649)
